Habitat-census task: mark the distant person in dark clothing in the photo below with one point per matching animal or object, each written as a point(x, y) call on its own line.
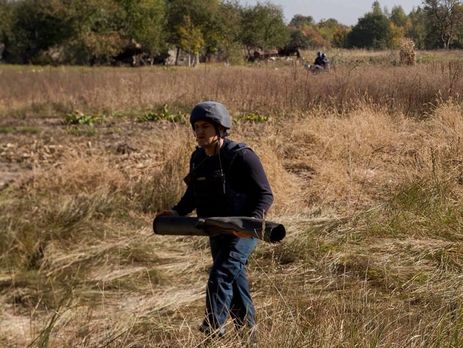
point(321, 61)
point(225, 179)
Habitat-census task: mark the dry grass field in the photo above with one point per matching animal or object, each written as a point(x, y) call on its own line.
point(366, 164)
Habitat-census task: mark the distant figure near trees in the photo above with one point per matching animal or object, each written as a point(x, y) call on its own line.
point(321, 63)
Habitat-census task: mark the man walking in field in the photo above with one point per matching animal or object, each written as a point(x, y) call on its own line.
point(225, 179)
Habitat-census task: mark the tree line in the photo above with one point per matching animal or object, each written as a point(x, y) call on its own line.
point(102, 31)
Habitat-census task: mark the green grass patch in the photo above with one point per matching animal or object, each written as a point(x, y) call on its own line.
point(419, 209)
point(80, 118)
point(254, 117)
point(163, 113)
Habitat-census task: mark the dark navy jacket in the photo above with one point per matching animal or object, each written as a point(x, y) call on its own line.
point(232, 184)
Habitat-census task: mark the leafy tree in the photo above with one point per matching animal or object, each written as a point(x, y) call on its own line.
point(396, 35)
point(310, 34)
point(144, 22)
point(459, 40)
point(191, 38)
point(98, 32)
point(200, 13)
point(445, 21)
point(300, 21)
point(6, 23)
point(227, 29)
point(376, 9)
point(329, 27)
point(300, 30)
point(36, 27)
point(315, 37)
point(222, 28)
point(398, 17)
point(371, 31)
point(298, 39)
point(417, 28)
point(399, 24)
point(263, 27)
point(340, 37)
point(72, 31)
point(105, 28)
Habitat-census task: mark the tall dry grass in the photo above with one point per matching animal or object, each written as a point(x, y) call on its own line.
point(371, 197)
point(277, 91)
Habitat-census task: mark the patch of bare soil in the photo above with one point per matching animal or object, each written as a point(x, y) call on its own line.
point(23, 151)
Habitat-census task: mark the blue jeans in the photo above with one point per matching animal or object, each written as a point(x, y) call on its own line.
point(228, 288)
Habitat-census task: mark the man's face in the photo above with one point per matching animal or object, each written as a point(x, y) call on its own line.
point(205, 133)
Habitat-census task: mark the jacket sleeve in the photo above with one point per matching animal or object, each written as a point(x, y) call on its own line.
point(257, 183)
point(187, 203)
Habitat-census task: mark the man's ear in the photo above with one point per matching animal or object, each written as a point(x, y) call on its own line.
point(223, 132)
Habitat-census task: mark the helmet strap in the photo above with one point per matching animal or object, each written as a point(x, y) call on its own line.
point(220, 136)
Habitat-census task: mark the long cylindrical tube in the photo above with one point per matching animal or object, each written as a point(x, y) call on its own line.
point(189, 226)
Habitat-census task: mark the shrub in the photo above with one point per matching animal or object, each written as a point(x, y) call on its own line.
point(254, 117)
point(163, 114)
point(80, 118)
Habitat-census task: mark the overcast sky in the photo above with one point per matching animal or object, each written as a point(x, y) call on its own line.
point(344, 11)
